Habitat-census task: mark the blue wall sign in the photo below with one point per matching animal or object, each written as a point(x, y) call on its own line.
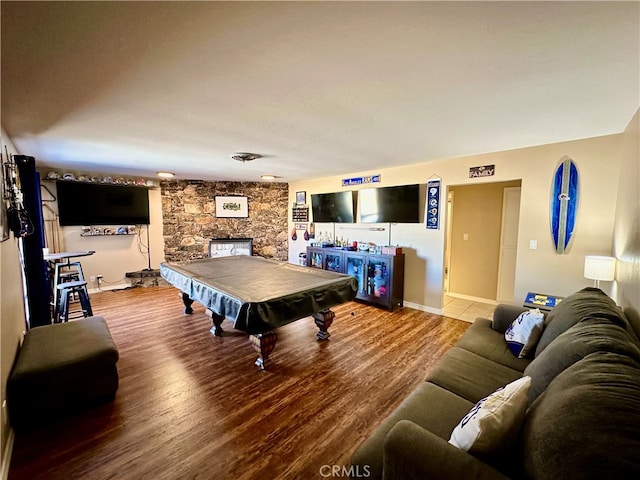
point(433, 204)
point(361, 180)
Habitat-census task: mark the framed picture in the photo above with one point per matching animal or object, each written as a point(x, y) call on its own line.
point(230, 207)
point(225, 247)
point(301, 198)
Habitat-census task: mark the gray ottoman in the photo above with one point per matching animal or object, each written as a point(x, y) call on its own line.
point(61, 369)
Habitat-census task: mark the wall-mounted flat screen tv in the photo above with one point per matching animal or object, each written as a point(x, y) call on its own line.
point(336, 207)
point(102, 204)
point(399, 204)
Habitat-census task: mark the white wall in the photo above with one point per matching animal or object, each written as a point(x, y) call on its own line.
point(117, 254)
point(12, 316)
point(627, 220)
point(542, 270)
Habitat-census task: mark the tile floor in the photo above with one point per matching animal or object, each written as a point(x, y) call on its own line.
point(467, 310)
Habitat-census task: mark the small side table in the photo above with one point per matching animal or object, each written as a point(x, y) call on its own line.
point(543, 301)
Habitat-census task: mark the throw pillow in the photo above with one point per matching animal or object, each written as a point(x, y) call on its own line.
point(524, 332)
point(494, 422)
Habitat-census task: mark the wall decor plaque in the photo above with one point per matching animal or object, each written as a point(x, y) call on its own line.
point(232, 206)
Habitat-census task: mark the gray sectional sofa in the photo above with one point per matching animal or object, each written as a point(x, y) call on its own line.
point(583, 415)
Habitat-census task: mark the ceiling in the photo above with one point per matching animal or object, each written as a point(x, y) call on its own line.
point(317, 88)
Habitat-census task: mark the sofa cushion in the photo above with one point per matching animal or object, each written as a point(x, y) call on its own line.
point(481, 339)
point(592, 334)
point(413, 453)
point(429, 406)
point(524, 332)
point(504, 314)
point(633, 316)
point(588, 302)
point(469, 375)
point(599, 394)
point(494, 422)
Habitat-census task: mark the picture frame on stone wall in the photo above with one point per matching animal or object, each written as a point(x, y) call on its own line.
point(232, 207)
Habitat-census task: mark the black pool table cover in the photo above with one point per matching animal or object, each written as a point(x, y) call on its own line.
point(258, 294)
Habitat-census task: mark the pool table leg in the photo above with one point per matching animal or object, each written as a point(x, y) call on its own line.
point(217, 321)
point(263, 343)
point(187, 303)
point(323, 320)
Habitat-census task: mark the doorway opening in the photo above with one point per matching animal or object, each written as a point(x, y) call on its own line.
point(480, 247)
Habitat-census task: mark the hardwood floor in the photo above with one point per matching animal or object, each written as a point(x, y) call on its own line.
point(192, 405)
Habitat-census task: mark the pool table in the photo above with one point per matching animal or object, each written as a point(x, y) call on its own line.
point(259, 295)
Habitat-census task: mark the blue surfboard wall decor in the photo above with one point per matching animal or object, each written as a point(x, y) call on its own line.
point(564, 204)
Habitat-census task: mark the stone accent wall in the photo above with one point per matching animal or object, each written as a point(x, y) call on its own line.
point(189, 217)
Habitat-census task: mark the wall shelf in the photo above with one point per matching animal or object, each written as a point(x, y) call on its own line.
point(108, 231)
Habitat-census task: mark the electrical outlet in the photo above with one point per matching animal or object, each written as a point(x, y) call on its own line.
point(92, 278)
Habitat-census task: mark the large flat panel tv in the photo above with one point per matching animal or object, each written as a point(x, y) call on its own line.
point(390, 204)
point(336, 207)
point(102, 204)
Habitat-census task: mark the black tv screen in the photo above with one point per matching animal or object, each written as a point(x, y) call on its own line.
point(102, 204)
point(336, 207)
point(390, 204)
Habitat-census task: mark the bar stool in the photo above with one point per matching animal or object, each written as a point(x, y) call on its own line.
point(63, 273)
point(67, 290)
point(59, 272)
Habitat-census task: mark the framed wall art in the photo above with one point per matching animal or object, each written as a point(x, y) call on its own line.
point(225, 247)
point(232, 207)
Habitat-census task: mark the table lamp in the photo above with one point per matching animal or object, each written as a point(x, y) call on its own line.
point(597, 267)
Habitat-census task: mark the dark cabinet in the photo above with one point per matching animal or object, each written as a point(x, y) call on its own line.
point(356, 266)
point(333, 262)
point(325, 259)
point(380, 277)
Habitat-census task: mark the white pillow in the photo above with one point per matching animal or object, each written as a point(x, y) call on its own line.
point(494, 422)
point(524, 332)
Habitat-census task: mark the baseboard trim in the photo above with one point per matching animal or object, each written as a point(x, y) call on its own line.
point(104, 288)
point(423, 308)
point(472, 298)
point(6, 456)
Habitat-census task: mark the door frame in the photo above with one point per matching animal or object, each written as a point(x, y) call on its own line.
point(447, 241)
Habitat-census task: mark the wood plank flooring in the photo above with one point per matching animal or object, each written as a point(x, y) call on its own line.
point(193, 406)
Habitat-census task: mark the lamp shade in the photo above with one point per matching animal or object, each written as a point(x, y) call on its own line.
point(598, 267)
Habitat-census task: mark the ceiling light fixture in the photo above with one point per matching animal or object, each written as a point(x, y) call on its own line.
point(268, 177)
point(244, 156)
point(165, 174)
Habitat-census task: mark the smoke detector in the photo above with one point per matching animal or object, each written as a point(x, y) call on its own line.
point(244, 156)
